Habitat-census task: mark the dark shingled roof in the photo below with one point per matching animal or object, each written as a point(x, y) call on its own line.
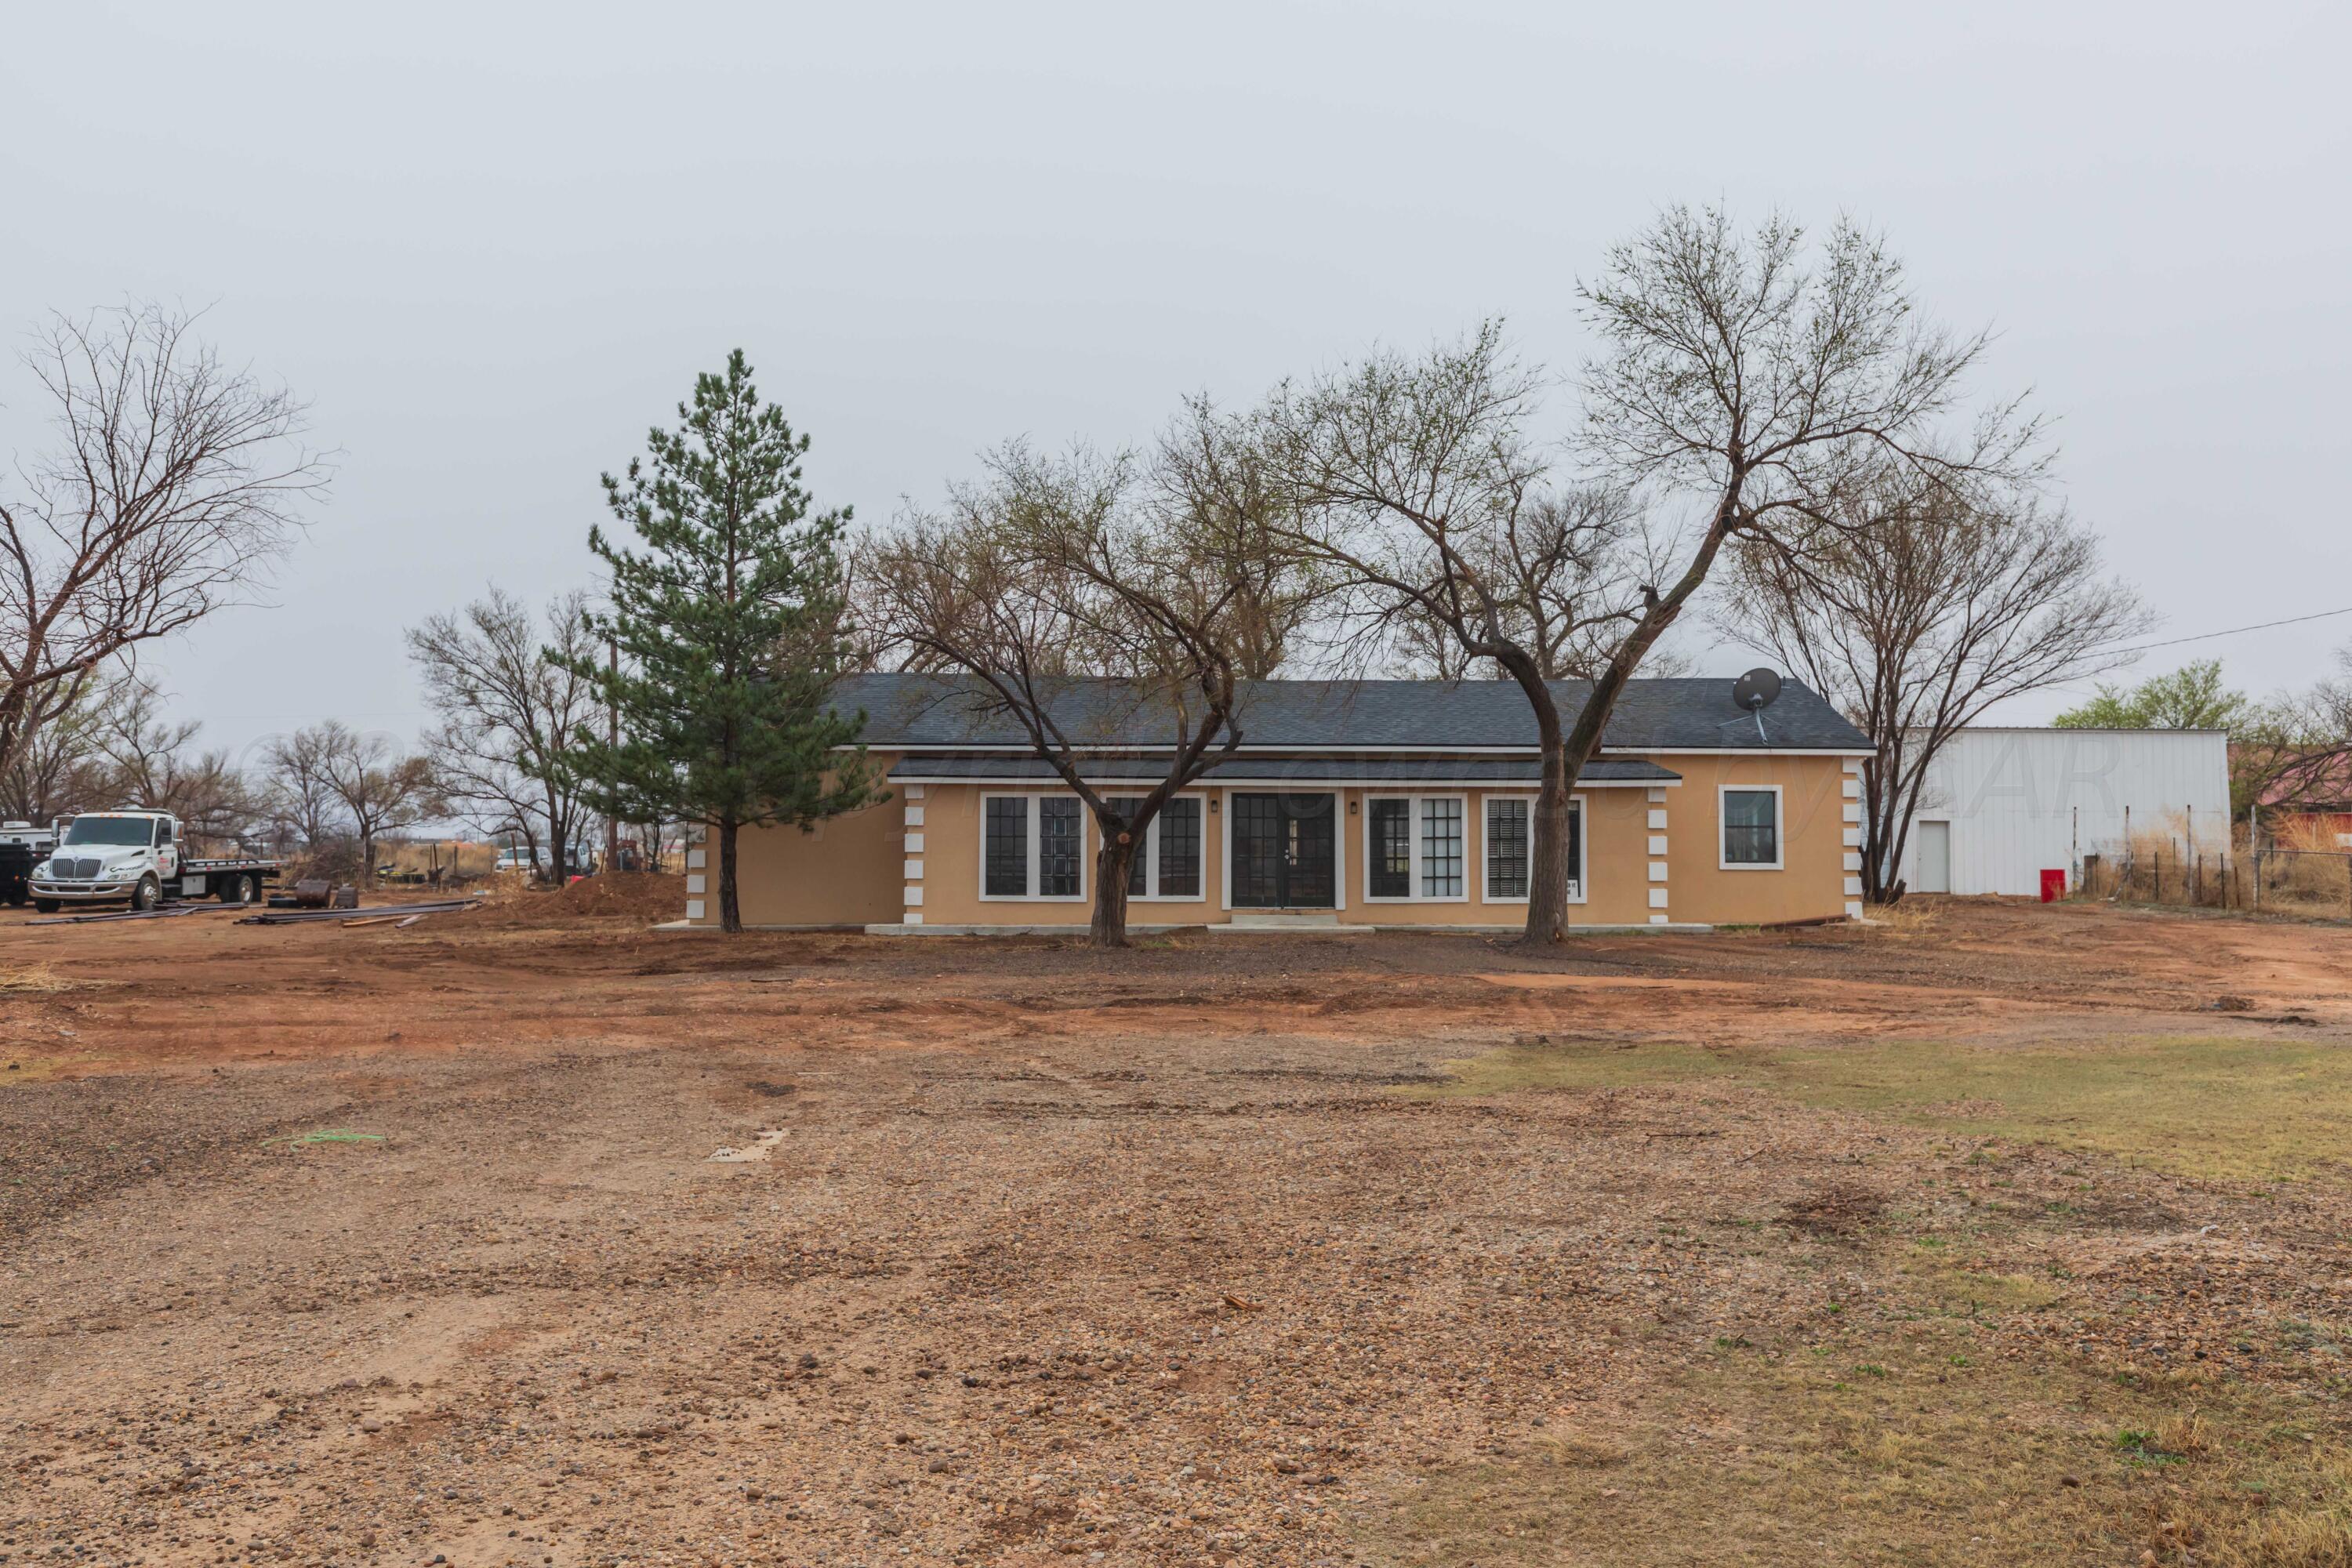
point(1284, 770)
point(935, 710)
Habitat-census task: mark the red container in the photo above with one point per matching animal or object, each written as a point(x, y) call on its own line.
point(2054, 886)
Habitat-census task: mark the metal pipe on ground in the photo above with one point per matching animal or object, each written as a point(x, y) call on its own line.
point(301, 917)
point(166, 911)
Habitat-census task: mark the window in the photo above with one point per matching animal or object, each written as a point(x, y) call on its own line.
point(1006, 857)
point(1031, 847)
point(1178, 856)
point(114, 832)
point(1510, 847)
point(1061, 842)
point(1751, 828)
point(1167, 863)
point(1392, 852)
point(1416, 847)
point(1441, 849)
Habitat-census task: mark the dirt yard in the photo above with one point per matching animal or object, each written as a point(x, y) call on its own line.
point(1999, 1234)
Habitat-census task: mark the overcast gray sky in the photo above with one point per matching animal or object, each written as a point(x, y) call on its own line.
point(491, 244)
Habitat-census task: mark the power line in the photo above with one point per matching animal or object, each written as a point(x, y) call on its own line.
point(2234, 631)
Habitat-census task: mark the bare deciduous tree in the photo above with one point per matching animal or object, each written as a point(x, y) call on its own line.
point(1056, 570)
point(301, 802)
point(328, 778)
point(60, 767)
point(507, 714)
point(153, 761)
point(1731, 376)
point(174, 480)
point(1930, 603)
point(1562, 575)
point(1415, 485)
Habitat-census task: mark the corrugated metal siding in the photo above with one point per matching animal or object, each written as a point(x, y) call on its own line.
point(2021, 800)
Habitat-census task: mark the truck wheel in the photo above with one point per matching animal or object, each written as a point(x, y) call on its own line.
point(45, 906)
point(253, 888)
point(230, 890)
point(147, 894)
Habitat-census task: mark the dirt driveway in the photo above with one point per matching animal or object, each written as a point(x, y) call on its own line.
point(498, 1242)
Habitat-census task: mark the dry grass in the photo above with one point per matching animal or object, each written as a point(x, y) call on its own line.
point(2318, 883)
point(1906, 922)
point(2168, 860)
point(33, 979)
point(1907, 1434)
point(460, 860)
point(2315, 834)
point(2246, 1110)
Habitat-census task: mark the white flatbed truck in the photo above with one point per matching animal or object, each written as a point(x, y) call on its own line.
point(133, 856)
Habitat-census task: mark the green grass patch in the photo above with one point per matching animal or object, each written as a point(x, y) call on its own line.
point(2236, 1108)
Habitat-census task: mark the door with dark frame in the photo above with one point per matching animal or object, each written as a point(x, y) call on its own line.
point(1285, 851)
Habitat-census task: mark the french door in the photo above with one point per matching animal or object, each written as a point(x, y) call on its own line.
point(1285, 851)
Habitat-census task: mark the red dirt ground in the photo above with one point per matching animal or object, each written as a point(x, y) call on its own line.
point(1151, 1257)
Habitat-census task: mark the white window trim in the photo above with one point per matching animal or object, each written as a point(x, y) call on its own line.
point(1576, 872)
point(1149, 849)
point(1780, 829)
point(1035, 843)
point(1414, 841)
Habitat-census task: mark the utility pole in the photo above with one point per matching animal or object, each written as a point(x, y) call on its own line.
point(611, 739)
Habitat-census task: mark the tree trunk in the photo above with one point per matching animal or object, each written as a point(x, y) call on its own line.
point(730, 915)
point(1547, 855)
point(1882, 840)
point(1111, 869)
point(558, 831)
point(366, 877)
point(1548, 873)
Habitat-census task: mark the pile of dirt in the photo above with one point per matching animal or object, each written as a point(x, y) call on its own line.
point(641, 898)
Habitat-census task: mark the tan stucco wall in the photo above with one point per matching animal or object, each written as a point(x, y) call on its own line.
point(844, 872)
point(1813, 881)
point(854, 870)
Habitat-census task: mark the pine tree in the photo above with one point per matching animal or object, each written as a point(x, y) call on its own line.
point(728, 624)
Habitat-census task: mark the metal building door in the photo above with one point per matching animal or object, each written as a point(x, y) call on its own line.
point(1934, 862)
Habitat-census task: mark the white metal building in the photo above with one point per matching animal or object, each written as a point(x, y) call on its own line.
point(2001, 805)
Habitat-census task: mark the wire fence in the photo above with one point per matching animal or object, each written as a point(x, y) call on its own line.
point(2303, 882)
point(2281, 878)
point(2189, 876)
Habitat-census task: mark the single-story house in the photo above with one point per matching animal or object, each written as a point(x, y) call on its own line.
point(1347, 803)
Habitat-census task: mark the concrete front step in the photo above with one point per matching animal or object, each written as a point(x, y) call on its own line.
point(1284, 920)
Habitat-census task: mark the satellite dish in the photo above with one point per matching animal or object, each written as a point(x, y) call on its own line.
point(1756, 690)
